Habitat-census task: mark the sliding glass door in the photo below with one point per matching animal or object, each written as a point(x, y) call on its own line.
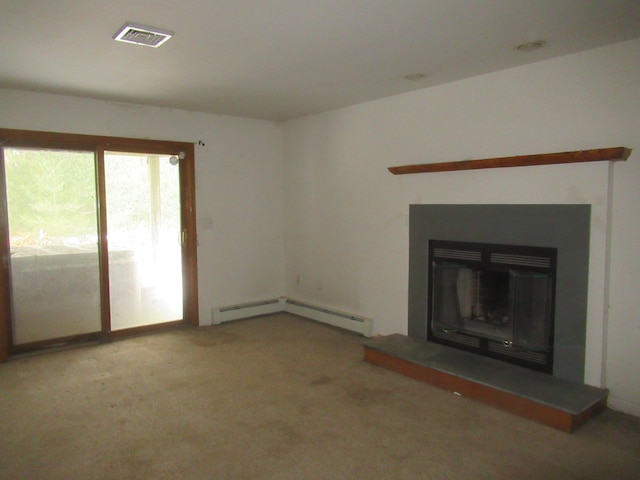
point(144, 239)
point(97, 237)
point(53, 243)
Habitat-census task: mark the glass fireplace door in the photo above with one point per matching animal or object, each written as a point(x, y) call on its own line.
point(493, 299)
point(473, 301)
point(531, 304)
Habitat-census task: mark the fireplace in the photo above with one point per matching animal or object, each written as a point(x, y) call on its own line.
point(514, 284)
point(493, 299)
point(564, 227)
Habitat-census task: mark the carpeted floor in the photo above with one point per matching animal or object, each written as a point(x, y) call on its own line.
point(275, 397)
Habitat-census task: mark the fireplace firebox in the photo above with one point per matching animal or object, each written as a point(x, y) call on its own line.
point(494, 300)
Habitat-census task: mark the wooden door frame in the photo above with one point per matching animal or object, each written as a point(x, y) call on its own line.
point(100, 144)
point(5, 292)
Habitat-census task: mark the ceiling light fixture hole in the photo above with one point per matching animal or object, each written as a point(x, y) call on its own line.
point(415, 76)
point(530, 46)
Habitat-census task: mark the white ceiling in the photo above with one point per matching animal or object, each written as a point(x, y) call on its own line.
point(282, 59)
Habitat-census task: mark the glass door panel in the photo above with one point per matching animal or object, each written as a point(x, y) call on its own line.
point(53, 237)
point(531, 302)
point(143, 237)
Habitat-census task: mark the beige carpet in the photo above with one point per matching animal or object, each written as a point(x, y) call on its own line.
point(273, 397)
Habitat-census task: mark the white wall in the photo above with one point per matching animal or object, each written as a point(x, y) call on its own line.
point(239, 197)
point(346, 217)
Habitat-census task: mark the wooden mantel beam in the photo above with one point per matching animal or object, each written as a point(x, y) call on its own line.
point(595, 155)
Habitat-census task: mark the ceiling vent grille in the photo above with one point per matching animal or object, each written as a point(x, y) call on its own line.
point(141, 35)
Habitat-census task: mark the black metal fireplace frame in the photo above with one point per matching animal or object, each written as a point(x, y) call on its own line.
point(498, 258)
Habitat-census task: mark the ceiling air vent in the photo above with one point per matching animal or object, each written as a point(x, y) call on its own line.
point(141, 35)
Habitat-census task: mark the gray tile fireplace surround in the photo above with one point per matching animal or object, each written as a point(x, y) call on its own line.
point(560, 400)
point(564, 227)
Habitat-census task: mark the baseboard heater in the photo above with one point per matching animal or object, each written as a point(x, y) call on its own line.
point(246, 310)
point(336, 318)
